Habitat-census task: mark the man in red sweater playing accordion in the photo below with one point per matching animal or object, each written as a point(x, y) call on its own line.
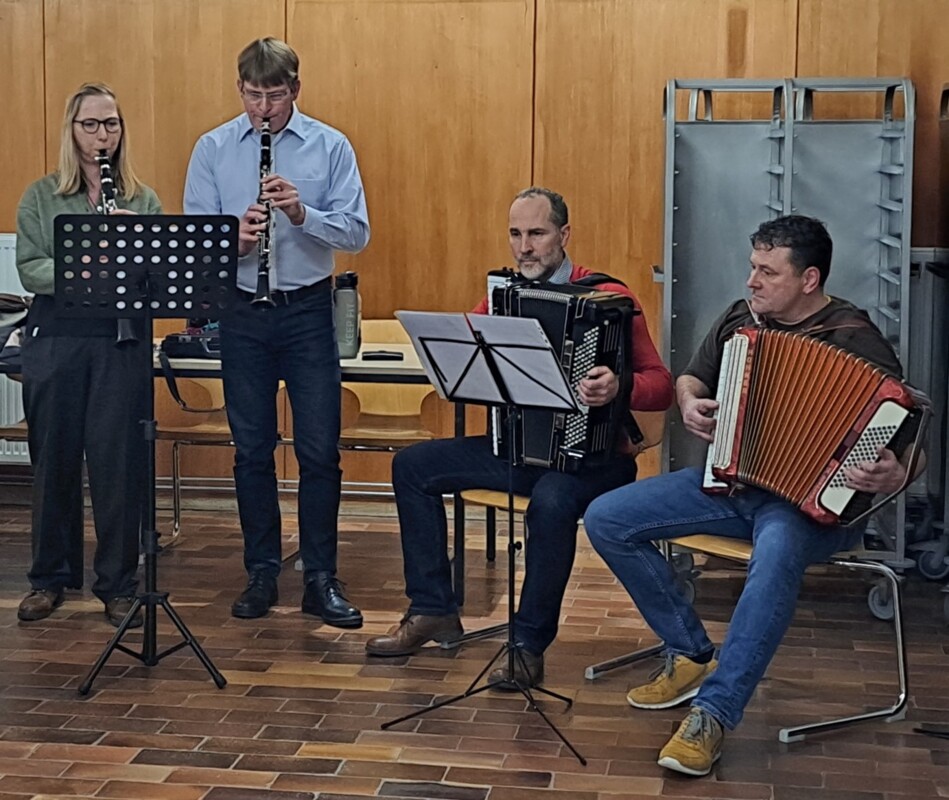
point(790, 261)
point(538, 232)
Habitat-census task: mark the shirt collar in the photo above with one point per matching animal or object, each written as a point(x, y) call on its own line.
point(563, 272)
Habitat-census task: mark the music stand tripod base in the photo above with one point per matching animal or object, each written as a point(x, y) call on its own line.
point(146, 267)
point(493, 361)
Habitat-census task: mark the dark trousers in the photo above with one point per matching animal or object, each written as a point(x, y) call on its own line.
point(421, 474)
point(86, 395)
point(294, 342)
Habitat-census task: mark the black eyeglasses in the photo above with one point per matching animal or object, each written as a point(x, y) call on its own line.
point(91, 125)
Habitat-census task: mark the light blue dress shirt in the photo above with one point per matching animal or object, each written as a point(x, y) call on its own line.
point(224, 178)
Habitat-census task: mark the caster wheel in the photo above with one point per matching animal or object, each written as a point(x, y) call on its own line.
point(881, 602)
point(687, 587)
point(683, 562)
point(932, 565)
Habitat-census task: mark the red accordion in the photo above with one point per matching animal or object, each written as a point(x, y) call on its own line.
point(794, 412)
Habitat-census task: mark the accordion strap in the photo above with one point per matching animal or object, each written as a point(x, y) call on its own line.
point(815, 329)
point(597, 279)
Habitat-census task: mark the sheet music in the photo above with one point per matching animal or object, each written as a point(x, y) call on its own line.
point(526, 373)
point(457, 363)
point(451, 336)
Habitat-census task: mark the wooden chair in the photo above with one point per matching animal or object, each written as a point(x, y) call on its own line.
point(385, 417)
point(740, 551)
point(15, 432)
point(204, 422)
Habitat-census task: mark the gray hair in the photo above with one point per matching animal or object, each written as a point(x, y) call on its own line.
point(559, 215)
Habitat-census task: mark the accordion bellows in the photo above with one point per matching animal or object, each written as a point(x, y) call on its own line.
point(794, 412)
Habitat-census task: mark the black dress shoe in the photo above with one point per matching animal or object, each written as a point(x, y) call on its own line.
point(323, 597)
point(257, 598)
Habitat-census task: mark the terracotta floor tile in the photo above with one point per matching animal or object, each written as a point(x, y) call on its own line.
point(203, 776)
point(129, 789)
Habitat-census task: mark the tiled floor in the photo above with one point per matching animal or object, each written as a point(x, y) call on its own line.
point(301, 714)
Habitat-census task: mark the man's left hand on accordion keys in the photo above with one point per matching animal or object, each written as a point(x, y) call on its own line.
point(599, 387)
point(884, 476)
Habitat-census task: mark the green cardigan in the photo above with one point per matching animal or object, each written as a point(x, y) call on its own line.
point(34, 227)
point(34, 252)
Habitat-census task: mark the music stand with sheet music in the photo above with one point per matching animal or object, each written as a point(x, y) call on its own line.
point(493, 361)
point(146, 267)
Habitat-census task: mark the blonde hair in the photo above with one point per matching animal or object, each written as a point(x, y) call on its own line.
point(69, 174)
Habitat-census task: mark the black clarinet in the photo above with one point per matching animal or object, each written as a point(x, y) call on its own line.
point(124, 331)
point(265, 253)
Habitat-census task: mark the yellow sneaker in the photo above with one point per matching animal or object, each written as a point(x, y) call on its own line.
point(679, 680)
point(696, 746)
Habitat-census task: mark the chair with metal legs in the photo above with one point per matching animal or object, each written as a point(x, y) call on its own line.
point(740, 551)
point(204, 422)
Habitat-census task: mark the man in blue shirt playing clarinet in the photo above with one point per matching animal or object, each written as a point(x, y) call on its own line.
point(305, 194)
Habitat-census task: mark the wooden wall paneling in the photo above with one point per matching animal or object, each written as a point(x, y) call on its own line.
point(436, 98)
point(888, 38)
point(22, 123)
point(600, 136)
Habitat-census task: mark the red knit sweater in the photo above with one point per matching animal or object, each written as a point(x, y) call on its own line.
point(652, 382)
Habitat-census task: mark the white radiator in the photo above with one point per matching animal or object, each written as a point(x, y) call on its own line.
point(11, 406)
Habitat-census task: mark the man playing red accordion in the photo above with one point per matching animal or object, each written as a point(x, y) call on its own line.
point(790, 262)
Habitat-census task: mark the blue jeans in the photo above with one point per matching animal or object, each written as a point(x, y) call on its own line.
point(623, 525)
point(421, 474)
point(259, 347)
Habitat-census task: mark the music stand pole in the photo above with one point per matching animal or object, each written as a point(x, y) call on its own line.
point(490, 356)
point(107, 267)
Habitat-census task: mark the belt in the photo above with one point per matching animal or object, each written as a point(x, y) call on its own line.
point(285, 298)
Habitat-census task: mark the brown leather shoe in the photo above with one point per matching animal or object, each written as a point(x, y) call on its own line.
point(415, 631)
point(117, 609)
point(500, 678)
point(39, 604)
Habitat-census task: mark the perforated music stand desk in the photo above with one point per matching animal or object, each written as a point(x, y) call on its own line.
point(146, 267)
point(493, 361)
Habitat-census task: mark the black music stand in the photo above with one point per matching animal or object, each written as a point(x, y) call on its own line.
point(146, 267)
point(493, 361)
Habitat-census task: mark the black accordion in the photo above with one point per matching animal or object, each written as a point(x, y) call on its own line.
point(586, 328)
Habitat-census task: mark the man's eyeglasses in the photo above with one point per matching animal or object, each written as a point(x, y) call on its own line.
point(271, 97)
point(91, 125)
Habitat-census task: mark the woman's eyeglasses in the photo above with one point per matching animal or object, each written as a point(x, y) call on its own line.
point(91, 125)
